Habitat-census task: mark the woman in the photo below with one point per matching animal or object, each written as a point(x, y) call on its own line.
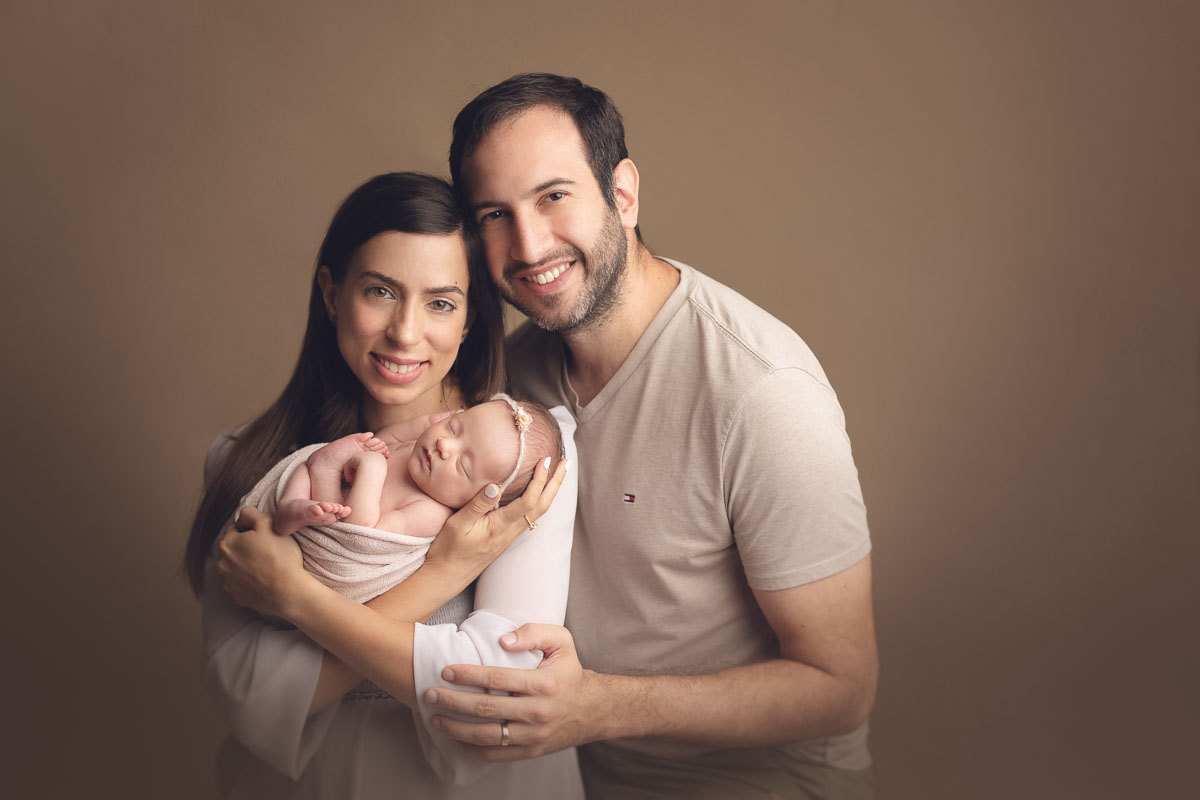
point(402, 324)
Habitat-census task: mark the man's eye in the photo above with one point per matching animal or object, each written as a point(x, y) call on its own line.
point(556, 196)
point(491, 216)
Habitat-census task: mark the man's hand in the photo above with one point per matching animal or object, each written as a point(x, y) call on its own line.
point(478, 532)
point(549, 708)
point(259, 567)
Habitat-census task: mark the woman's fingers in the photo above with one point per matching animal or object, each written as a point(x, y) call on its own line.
point(483, 502)
point(550, 490)
point(478, 532)
point(536, 498)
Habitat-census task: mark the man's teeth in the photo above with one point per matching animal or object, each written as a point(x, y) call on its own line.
point(398, 368)
point(546, 277)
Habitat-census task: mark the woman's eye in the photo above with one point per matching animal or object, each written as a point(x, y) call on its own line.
point(382, 292)
point(491, 216)
point(556, 196)
point(441, 304)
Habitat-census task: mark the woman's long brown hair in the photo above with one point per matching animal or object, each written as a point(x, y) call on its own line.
point(323, 399)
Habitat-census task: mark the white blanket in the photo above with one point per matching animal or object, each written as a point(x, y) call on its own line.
point(355, 560)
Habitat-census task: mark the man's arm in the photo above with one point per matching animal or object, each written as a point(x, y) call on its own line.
point(823, 684)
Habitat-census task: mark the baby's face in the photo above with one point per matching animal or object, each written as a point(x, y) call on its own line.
point(454, 459)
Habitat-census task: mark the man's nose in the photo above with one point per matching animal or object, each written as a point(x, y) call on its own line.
point(532, 239)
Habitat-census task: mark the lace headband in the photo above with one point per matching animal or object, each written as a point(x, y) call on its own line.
point(522, 420)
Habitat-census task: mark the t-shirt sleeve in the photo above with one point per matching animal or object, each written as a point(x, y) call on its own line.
point(526, 583)
point(790, 483)
point(261, 677)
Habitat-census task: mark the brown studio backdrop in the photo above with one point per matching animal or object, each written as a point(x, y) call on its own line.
point(980, 215)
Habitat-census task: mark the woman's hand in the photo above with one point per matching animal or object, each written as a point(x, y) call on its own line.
point(261, 569)
point(478, 532)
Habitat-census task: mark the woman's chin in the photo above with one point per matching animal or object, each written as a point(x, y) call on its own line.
point(425, 395)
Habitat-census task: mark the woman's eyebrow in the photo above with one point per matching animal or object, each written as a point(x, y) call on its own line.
point(395, 284)
point(445, 290)
point(379, 276)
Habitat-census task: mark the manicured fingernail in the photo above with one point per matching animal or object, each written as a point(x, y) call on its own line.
point(567, 465)
point(546, 463)
point(491, 490)
point(431, 695)
point(448, 674)
point(509, 638)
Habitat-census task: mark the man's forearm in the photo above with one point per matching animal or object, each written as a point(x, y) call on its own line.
point(822, 684)
point(758, 704)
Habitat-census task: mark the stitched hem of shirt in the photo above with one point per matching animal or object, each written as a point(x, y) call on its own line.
point(815, 572)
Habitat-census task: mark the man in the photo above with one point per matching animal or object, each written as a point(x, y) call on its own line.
point(720, 591)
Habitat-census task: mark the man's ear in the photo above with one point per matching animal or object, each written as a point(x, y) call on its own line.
point(328, 292)
point(625, 193)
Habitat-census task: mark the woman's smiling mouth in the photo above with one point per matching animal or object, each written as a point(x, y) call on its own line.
point(398, 372)
point(393, 366)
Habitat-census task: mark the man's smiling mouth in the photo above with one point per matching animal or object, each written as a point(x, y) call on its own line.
point(543, 278)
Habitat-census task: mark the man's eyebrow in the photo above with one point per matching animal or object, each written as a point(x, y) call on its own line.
point(541, 187)
point(395, 284)
point(552, 182)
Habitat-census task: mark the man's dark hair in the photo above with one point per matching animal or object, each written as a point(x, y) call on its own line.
point(595, 116)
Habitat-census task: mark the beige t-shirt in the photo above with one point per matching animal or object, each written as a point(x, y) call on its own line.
point(715, 460)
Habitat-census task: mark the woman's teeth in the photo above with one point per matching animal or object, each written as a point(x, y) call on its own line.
point(546, 277)
point(398, 368)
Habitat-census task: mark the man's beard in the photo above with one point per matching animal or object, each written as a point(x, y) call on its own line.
point(604, 275)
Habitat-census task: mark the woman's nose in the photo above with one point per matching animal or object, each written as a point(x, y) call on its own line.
point(405, 326)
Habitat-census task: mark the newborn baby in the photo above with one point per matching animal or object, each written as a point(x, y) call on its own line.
point(409, 478)
point(365, 508)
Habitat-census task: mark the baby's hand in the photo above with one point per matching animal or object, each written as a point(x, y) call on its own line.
point(373, 444)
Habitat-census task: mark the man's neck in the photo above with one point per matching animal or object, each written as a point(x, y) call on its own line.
point(599, 350)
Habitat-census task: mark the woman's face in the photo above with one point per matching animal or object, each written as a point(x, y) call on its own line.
point(401, 314)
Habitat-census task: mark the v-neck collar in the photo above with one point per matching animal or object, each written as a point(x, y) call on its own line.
point(679, 296)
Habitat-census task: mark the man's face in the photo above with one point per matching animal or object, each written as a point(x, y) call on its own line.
point(555, 249)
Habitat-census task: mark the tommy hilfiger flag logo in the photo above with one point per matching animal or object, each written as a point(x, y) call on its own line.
point(628, 498)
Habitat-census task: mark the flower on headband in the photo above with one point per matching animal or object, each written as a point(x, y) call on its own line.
point(522, 419)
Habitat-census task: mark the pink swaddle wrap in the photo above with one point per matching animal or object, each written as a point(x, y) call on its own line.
point(354, 560)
